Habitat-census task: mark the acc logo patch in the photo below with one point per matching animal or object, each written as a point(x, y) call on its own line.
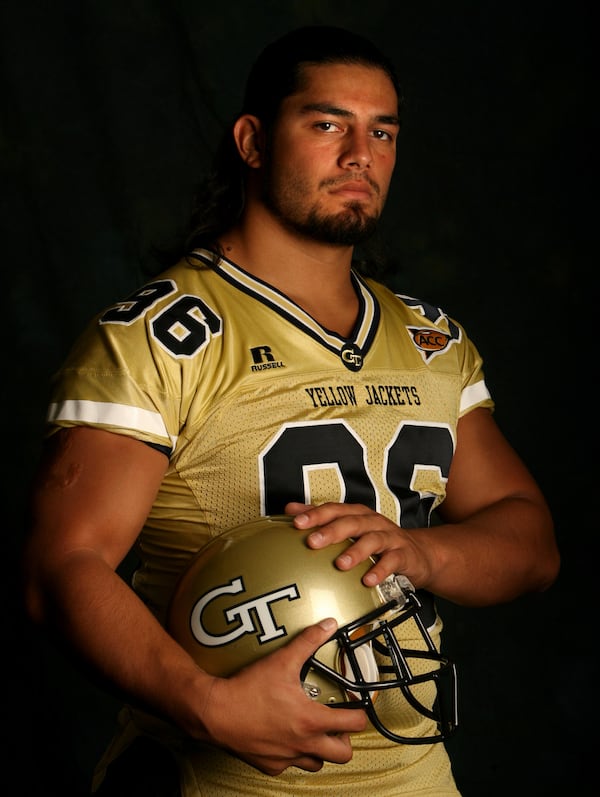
point(430, 342)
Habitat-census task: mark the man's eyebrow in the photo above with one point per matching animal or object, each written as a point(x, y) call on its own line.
point(333, 110)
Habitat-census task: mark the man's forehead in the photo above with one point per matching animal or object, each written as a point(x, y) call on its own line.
point(322, 86)
point(310, 73)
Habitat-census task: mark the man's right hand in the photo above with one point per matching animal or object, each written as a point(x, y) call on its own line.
point(263, 716)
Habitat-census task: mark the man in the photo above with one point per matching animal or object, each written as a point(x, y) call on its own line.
point(163, 417)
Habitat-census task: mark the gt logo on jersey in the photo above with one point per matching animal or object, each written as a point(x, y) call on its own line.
point(253, 616)
point(430, 342)
point(351, 356)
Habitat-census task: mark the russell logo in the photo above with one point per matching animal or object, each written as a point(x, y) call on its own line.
point(264, 359)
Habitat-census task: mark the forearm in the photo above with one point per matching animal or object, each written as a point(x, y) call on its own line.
point(493, 556)
point(490, 555)
point(109, 628)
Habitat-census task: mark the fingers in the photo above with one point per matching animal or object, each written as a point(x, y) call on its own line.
point(307, 516)
point(295, 508)
point(288, 729)
point(340, 752)
point(334, 523)
point(308, 763)
point(373, 536)
point(337, 746)
point(311, 638)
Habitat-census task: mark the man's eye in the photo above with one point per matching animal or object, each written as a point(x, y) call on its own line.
point(326, 126)
point(382, 135)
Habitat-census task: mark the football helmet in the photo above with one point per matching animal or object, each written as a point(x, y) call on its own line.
point(253, 588)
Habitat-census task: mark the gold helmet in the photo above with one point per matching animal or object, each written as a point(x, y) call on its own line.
point(253, 588)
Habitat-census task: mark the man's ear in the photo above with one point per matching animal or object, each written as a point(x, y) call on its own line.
point(249, 139)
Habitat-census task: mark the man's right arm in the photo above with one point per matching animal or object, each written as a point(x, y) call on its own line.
point(92, 495)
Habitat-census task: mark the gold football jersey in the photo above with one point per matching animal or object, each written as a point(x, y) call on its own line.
point(256, 405)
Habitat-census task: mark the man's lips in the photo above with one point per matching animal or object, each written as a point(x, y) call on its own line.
point(357, 189)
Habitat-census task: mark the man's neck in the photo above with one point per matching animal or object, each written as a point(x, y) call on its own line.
point(315, 275)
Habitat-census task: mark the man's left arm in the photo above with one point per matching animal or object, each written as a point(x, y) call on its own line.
point(496, 541)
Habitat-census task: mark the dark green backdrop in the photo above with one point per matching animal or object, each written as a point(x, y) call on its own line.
point(110, 111)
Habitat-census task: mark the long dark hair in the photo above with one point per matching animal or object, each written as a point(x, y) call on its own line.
point(275, 75)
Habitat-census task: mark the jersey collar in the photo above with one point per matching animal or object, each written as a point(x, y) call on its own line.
point(361, 338)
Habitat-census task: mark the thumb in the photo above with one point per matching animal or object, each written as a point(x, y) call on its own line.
point(311, 638)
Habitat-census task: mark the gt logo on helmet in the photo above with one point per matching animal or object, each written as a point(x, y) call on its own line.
point(244, 612)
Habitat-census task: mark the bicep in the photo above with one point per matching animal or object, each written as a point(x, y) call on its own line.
point(93, 491)
point(485, 469)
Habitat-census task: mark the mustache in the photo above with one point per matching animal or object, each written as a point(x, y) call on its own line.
point(335, 182)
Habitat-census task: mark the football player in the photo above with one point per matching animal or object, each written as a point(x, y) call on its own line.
point(267, 374)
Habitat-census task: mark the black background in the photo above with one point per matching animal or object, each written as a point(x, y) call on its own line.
point(110, 112)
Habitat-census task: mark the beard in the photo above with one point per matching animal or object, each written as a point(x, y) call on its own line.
point(350, 226)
